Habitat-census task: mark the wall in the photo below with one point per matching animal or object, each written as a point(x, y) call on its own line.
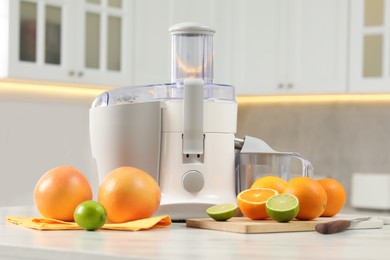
point(339, 138)
point(39, 131)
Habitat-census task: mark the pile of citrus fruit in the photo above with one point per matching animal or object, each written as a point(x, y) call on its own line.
point(301, 198)
point(126, 194)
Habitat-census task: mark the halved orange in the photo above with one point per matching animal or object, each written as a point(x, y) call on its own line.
point(252, 202)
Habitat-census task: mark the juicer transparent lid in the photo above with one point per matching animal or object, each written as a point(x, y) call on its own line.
point(161, 92)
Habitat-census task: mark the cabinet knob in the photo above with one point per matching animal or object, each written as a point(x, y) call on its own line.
point(290, 85)
point(71, 73)
point(280, 85)
point(80, 74)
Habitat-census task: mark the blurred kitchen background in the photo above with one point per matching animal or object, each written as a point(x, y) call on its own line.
point(311, 76)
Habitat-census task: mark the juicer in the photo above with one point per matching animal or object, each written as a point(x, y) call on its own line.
point(182, 133)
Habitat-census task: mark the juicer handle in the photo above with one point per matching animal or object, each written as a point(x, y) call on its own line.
point(307, 167)
point(193, 116)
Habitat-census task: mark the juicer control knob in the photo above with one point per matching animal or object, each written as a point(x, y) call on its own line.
point(193, 181)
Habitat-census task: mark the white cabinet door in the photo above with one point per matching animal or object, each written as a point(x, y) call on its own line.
point(151, 42)
point(152, 58)
point(78, 41)
point(216, 14)
point(38, 47)
point(317, 46)
point(103, 47)
point(256, 46)
point(296, 46)
point(370, 46)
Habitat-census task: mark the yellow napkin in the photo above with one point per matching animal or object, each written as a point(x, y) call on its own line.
point(53, 224)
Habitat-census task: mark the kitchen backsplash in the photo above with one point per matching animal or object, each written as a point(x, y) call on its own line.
point(339, 138)
point(38, 133)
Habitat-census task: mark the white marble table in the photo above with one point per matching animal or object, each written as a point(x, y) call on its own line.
point(180, 242)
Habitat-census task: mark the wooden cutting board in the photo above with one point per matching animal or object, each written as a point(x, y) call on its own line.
point(245, 225)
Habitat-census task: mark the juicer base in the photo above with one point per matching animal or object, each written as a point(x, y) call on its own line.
point(183, 211)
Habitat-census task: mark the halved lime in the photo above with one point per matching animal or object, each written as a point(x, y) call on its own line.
point(222, 212)
point(282, 207)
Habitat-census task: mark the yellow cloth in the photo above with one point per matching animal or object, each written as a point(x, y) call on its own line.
point(53, 224)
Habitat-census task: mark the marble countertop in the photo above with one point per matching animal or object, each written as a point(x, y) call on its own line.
point(179, 242)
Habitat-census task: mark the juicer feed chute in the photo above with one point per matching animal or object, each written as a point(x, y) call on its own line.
point(192, 52)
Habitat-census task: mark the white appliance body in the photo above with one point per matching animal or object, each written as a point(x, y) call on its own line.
point(126, 135)
point(149, 136)
point(181, 133)
point(192, 183)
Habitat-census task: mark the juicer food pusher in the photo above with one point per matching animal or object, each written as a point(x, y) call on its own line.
point(181, 133)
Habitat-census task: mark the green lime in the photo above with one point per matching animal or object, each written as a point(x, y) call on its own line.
point(222, 212)
point(282, 207)
point(90, 215)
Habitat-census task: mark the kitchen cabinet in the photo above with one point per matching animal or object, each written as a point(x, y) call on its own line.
point(369, 56)
point(85, 42)
point(296, 46)
point(151, 42)
point(260, 46)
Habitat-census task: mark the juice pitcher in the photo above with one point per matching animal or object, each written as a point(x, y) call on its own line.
point(255, 159)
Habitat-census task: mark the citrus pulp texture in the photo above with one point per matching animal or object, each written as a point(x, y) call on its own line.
point(282, 207)
point(252, 202)
point(222, 212)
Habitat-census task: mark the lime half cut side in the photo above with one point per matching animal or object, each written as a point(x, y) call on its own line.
point(282, 207)
point(222, 212)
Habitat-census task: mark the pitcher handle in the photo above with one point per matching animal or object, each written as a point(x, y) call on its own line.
point(307, 167)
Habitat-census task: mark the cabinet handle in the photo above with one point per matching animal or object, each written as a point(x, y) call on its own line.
point(80, 74)
point(71, 73)
point(280, 85)
point(290, 85)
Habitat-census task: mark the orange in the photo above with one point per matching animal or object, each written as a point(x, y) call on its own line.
point(128, 194)
point(252, 202)
point(271, 182)
point(59, 191)
point(311, 195)
point(336, 196)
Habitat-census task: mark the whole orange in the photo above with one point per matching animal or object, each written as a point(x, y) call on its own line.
point(128, 194)
point(271, 182)
point(252, 202)
point(311, 195)
point(336, 196)
point(59, 191)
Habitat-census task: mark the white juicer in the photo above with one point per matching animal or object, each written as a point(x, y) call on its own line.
point(181, 133)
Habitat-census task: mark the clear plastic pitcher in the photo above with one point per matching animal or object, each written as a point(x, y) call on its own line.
point(256, 159)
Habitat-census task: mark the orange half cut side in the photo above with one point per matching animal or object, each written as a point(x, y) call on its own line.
point(252, 202)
